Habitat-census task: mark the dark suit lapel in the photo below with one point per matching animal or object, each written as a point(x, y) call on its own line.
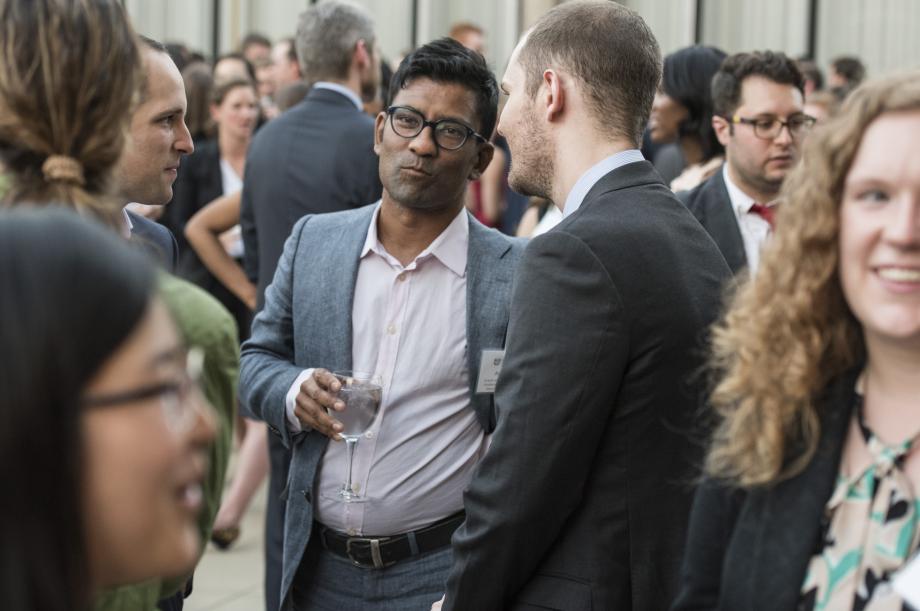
point(486, 321)
point(720, 220)
point(794, 510)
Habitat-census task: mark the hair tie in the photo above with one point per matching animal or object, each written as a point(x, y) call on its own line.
point(61, 168)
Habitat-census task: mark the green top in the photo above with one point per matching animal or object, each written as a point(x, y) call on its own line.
point(202, 322)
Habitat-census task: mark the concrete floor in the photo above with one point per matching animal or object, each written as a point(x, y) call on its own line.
point(231, 580)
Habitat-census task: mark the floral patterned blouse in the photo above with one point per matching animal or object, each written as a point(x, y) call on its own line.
point(870, 530)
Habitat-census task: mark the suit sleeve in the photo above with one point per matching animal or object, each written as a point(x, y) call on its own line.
point(248, 230)
point(267, 367)
point(712, 523)
point(566, 353)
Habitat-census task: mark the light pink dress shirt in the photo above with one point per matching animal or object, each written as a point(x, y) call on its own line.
point(409, 327)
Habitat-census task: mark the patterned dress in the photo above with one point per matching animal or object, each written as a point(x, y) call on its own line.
point(869, 531)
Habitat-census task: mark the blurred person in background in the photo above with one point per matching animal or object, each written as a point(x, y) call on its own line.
point(233, 67)
point(199, 87)
point(469, 35)
point(759, 119)
point(317, 157)
point(846, 73)
point(285, 65)
point(102, 405)
point(811, 496)
point(256, 48)
point(814, 78)
point(216, 168)
point(203, 232)
point(821, 105)
point(682, 112)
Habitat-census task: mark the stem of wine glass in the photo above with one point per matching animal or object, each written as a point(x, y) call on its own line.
point(350, 443)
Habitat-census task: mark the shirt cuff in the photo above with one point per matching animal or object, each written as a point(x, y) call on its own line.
point(290, 401)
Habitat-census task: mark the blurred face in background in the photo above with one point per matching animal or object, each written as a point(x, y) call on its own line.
point(237, 113)
point(667, 115)
point(146, 430)
point(880, 232)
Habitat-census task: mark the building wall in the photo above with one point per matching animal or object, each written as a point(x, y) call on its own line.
point(882, 32)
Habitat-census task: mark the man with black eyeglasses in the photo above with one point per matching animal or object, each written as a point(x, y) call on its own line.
point(412, 291)
point(758, 116)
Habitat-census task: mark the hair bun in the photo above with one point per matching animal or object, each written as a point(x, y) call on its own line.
point(61, 168)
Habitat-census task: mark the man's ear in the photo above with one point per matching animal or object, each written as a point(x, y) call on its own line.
point(552, 94)
point(379, 124)
point(722, 128)
point(362, 56)
point(483, 159)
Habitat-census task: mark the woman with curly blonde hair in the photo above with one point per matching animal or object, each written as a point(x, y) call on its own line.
point(810, 498)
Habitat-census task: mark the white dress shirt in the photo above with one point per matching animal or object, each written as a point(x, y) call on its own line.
point(409, 328)
point(754, 228)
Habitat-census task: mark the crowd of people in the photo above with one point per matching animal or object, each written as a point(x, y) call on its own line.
point(695, 386)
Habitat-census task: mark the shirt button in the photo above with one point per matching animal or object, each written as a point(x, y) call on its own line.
point(391, 329)
point(351, 532)
point(401, 277)
point(356, 487)
point(369, 435)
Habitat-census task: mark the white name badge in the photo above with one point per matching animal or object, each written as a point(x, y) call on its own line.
point(907, 582)
point(489, 367)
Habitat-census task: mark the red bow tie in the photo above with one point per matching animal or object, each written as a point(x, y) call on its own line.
point(764, 212)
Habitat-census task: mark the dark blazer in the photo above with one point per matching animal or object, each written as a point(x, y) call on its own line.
point(710, 204)
point(316, 157)
point(751, 550)
point(156, 240)
point(199, 183)
point(583, 498)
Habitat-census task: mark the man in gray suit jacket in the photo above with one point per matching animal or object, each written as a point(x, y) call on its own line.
point(413, 290)
point(583, 498)
point(316, 157)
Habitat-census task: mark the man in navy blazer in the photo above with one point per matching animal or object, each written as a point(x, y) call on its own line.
point(415, 290)
point(316, 157)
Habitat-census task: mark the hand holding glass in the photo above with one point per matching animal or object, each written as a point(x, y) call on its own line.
point(361, 394)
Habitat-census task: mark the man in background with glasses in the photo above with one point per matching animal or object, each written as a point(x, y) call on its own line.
point(412, 290)
point(758, 101)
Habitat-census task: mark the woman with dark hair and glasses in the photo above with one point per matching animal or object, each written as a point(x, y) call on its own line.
point(682, 112)
point(103, 434)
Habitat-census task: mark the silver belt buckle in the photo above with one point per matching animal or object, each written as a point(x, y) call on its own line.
point(375, 551)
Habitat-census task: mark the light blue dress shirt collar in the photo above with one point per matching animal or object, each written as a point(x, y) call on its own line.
point(345, 91)
point(591, 177)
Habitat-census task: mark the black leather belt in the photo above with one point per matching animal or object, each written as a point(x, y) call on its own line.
point(381, 552)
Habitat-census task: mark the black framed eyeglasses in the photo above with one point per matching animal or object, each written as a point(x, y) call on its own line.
point(769, 128)
point(175, 397)
point(448, 133)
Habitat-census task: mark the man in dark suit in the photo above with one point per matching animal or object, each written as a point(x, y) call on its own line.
point(316, 157)
point(757, 101)
point(583, 498)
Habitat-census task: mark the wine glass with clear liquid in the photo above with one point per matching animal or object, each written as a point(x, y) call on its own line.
point(361, 393)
